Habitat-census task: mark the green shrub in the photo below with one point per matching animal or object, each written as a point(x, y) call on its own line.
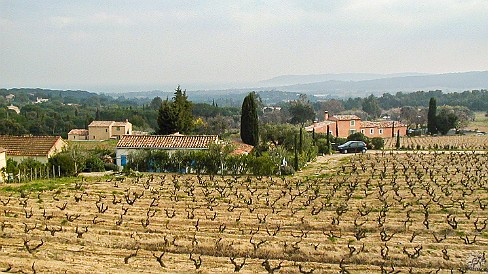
point(287, 170)
point(263, 165)
point(94, 164)
point(111, 166)
point(377, 143)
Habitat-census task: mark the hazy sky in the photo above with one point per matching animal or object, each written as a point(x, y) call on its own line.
point(141, 44)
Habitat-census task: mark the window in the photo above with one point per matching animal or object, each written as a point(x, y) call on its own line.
point(106, 130)
point(380, 131)
point(118, 128)
point(371, 131)
point(353, 123)
point(362, 131)
point(352, 131)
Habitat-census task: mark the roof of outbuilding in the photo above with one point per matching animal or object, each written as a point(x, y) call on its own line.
point(83, 132)
point(167, 141)
point(320, 127)
point(242, 148)
point(28, 145)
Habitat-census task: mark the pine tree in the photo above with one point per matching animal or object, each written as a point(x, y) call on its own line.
point(249, 120)
point(371, 106)
point(432, 116)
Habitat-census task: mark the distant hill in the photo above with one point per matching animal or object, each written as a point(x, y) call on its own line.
point(286, 80)
point(446, 82)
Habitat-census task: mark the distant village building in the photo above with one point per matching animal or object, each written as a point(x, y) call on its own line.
point(10, 97)
point(40, 100)
point(14, 108)
point(101, 130)
point(78, 135)
point(39, 148)
point(3, 162)
point(133, 143)
point(345, 125)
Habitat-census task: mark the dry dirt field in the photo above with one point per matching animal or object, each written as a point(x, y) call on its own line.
point(383, 212)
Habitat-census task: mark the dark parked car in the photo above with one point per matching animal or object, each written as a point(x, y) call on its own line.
point(353, 146)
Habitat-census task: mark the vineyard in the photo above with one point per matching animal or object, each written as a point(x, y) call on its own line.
point(384, 212)
point(458, 142)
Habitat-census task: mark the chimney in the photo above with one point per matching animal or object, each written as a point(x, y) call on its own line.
point(326, 115)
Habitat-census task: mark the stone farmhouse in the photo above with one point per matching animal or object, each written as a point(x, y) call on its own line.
point(39, 148)
point(132, 143)
point(101, 130)
point(345, 125)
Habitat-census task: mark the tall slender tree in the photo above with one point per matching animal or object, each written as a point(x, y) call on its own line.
point(432, 116)
point(249, 120)
point(397, 145)
point(328, 140)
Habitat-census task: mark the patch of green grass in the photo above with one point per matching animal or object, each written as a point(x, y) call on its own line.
point(40, 185)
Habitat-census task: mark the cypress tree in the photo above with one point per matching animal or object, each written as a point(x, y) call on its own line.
point(300, 144)
point(295, 161)
point(397, 145)
point(249, 120)
point(393, 129)
point(167, 119)
point(176, 115)
point(328, 140)
point(183, 110)
point(313, 136)
point(432, 116)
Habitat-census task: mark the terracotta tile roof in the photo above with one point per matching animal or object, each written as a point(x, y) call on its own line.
point(82, 132)
point(344, 117)
point(101, 123)
point(167, 141)
point(381, 124)
point(369, 124)
point(28, 145)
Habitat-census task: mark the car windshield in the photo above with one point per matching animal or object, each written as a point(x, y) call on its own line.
point(348, 143)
